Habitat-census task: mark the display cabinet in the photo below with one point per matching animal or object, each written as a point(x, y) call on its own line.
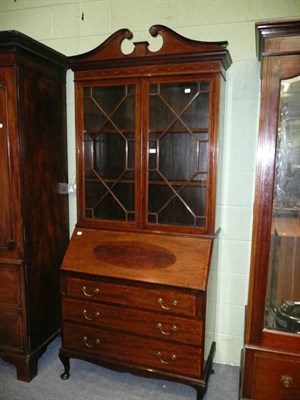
point(134, 277)
point(271, 356)
point(33, 200)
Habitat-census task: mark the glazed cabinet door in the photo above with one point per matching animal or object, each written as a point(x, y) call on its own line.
point(276, 248)
point(179, 133)
point(145, 146)
point(283, 290)
point(9, 214)
point(108, 139)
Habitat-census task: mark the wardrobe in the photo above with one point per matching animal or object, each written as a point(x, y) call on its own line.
point(34, 197)
point(270, 367)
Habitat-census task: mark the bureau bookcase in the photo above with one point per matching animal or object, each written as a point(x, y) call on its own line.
point(134, 277)
point(34, 223)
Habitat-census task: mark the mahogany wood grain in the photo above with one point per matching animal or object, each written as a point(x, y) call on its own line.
point(188, 271)
point(135, 288)
point(133, 350)
point(269, 353)
point(151, 297)
point(266, 370)
point(179, 58)
point(160, 326)
point(34, 218)
point(176, 48)
point(10, 285)
point(11, 242)
point(275, 68)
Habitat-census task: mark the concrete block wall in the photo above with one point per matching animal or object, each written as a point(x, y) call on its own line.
point(76, 26)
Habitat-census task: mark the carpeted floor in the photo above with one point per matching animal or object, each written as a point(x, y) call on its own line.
point(91, 382)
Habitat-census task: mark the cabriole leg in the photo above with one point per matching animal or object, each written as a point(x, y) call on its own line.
point(66, 363)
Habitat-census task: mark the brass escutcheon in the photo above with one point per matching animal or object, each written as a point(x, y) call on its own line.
point(286, 381)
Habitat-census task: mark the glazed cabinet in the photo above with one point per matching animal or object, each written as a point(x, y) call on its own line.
point(33, 202)
point(271, 356)
point(134, 276)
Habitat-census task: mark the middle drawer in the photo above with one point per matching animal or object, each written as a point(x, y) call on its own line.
point(150, 324)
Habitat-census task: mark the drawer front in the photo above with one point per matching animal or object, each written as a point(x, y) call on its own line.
point(276, 377)
point(133, 350)
point(10, 284)
point(11, 332)
point(157, 325)
point(169, 301)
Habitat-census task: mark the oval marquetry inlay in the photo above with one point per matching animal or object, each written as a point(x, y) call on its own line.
point(134, 254)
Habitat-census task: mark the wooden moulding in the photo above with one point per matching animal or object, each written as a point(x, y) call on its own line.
point(175, 49)
point(277, 37)
point(14, 44)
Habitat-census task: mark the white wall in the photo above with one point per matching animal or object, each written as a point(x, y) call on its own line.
point(59, 24)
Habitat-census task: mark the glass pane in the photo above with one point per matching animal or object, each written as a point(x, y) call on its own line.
point(109, 152)
point(178, 153)
point(283, 294)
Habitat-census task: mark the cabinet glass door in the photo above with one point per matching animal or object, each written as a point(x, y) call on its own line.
point(109, 152)
point(178, 142)
point(283, 292)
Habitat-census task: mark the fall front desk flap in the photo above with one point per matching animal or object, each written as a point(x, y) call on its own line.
point(180, 261)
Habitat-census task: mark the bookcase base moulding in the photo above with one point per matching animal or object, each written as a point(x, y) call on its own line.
point(134, 277)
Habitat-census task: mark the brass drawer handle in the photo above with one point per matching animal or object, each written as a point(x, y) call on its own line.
point(173, 329)
point(160, 302)
point(92, 318)
point(159, 356)
point(90, 346)
point(287, 381)
point(96, 291)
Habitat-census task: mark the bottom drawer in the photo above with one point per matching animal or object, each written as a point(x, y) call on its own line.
point(11, 332)
point(133, 350)
point(276, 377)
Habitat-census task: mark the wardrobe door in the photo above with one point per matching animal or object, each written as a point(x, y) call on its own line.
point(8, 167)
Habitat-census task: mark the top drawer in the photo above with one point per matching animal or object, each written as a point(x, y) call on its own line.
point(10, 288)
point(171, 301)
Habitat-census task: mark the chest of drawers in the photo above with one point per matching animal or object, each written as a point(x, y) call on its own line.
point(139, 323)
point(127, 324)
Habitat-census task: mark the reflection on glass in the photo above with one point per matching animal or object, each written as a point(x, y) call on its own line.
point(283, 292)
